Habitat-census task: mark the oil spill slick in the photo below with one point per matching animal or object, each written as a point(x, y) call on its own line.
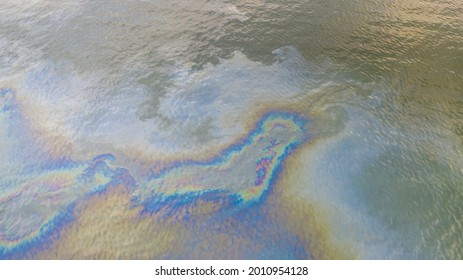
point(199, 197)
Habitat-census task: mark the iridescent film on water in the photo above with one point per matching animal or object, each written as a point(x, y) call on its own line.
point(215, 129)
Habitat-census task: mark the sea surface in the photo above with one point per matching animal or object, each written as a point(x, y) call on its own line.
point(214, 129)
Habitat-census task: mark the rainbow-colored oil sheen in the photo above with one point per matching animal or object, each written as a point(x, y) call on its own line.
point(40, 203)
point(254, 163)
point(231, 129)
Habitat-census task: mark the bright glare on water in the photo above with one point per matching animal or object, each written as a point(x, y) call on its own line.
point(215, 129)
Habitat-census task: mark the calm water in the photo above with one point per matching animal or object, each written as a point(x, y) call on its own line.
point(231, 129)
